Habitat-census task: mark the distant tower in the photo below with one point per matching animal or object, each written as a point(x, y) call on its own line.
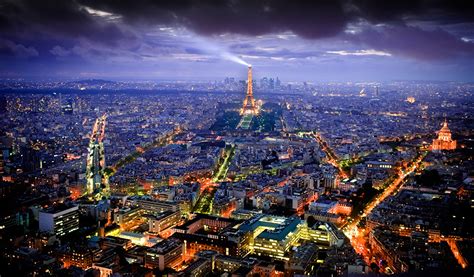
point(249, 106)
point(376, 91)
point(444, 140)
point(97, 182)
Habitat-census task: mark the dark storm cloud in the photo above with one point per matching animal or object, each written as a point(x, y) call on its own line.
point(446, 11)
point(23, 21)
point(307, 18)
point(31, 19)
point(411, 41)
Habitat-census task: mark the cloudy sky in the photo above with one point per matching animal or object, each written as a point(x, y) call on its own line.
point(331, 40)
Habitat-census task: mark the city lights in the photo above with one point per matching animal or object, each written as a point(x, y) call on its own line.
point(236, 138)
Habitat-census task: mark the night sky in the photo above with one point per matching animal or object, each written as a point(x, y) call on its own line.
point(359, 40)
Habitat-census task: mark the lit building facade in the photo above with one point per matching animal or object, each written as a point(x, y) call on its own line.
point(157, 207)
point(125, 215)
point(59, 220)
point(164, 221)
point(274, 236)
point(206, 232)
point(82, 257)
point(444, 140)
point(166, 253)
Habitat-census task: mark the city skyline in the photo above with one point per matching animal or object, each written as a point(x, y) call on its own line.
point(188, 40)
point(242, 138)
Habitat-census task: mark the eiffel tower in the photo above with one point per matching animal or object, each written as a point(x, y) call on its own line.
point(249, 106)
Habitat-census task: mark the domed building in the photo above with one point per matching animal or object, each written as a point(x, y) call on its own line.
point(444, 140)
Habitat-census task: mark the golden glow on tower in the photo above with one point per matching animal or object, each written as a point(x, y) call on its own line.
point(249, 106)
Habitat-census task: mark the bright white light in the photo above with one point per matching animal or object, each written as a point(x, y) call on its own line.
point(212, 48)
point(205, 47)
point(369, 52)
point(231, 57)
point(100, 13)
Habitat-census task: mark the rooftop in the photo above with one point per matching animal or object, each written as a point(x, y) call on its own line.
point(275, 227)
point(165, 246)
point(58, 208)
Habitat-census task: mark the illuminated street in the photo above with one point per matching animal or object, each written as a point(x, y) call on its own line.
point(221, 172)
point(457, 254)
point(358, 236)
point(204, 203)
point(331, 157)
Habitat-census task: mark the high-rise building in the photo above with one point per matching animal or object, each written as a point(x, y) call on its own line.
point(264, 83)
point(444, 140)
point(59, 220)
point(271, 83)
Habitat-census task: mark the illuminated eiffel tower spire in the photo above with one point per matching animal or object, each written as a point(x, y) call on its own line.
point(249, 106)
